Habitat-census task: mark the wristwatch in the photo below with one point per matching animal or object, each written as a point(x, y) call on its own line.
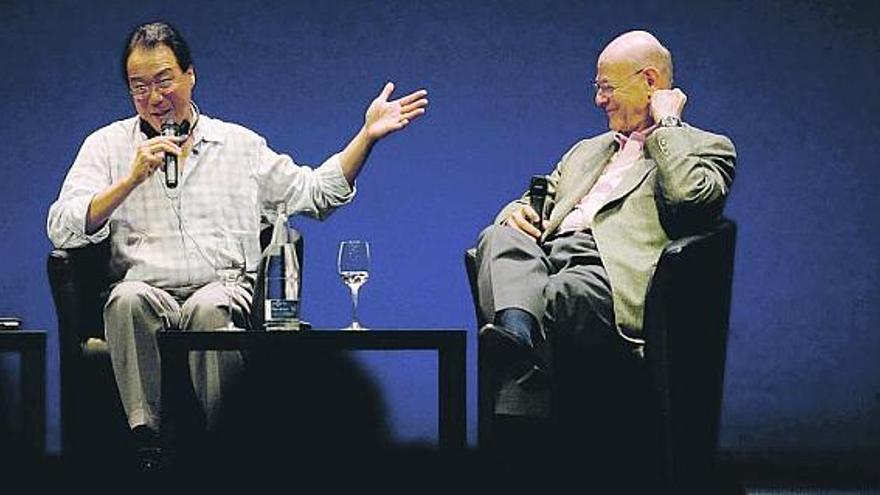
point(669, 121)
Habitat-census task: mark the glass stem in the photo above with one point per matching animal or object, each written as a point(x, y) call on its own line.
point(229, 324)
point(354, 305)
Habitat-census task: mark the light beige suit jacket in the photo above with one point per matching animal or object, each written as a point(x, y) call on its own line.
point(679, 188)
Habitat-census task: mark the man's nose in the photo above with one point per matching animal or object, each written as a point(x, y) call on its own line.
point(156, 96)
point(601, 100)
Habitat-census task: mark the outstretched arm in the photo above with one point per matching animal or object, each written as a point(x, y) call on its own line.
point(382, 118)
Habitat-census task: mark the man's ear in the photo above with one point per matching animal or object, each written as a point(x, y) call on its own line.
point(191, 73)
point(652, 77)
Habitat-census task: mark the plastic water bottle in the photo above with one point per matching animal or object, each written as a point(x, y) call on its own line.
point(281, 276)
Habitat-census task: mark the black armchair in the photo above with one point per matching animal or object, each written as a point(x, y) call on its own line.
point(93, 422)
point(685, 330)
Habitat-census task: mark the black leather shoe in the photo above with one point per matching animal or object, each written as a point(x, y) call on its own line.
point(147, 448)
point(149, 459)
point(535, 379)
point(509, 356)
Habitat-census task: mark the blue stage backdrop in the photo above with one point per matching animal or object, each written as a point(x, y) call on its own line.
point(790, 81)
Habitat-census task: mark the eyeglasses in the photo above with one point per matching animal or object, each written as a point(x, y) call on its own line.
point(606, 89)
point(142, 91)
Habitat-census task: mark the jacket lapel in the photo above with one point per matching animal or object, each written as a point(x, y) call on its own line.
point(630, 181)
point(582, 172)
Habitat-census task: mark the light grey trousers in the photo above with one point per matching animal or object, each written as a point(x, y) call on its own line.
point(136, 311)
point(563, 284)
point(561, 281)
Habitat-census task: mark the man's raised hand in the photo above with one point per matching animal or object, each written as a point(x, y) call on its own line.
point(384, 117)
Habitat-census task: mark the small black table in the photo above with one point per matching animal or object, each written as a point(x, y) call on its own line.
point(31, 346)
point(449, 344)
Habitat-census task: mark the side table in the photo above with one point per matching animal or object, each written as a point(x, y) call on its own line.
point(31, 346)
point(450, 345)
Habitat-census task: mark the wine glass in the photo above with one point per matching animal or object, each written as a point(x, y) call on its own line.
point(353, 264)
point(230, 266)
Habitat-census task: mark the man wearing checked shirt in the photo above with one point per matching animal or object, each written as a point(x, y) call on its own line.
point(164, 240)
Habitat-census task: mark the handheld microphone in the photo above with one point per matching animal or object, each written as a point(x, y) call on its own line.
point(169, 128)
point(537, 195)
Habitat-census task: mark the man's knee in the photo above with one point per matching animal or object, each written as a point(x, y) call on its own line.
point(204, 316)
point(572, 303)
point(563, 297)
point(497, 240)
point(490, 234)
point(205, 310)
point(128, 295)
point(135, 302)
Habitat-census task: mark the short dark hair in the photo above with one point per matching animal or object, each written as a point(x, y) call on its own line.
point(151, 35)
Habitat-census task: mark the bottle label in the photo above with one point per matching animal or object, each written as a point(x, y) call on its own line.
point(282, 309)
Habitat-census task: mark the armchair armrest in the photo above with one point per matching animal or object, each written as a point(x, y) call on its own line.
point(79, 279)
point(470, 263)
point(690, 288)
point(687, 312)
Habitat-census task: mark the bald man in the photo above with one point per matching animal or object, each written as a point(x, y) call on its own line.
point(576, 274)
